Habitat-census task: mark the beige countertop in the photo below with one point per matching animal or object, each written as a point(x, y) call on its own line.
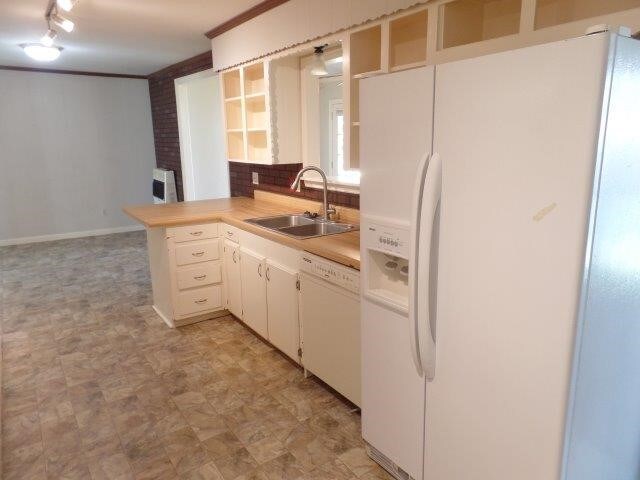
point(343, 248)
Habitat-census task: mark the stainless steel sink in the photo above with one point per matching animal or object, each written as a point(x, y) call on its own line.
point(302, 226)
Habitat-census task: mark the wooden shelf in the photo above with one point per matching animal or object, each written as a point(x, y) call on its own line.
point(407, 66)
point(232, 84)
point(366, 48)
point(257, 146)
point(355, 124)
point(408, 41)
point(468, 21)
point(254, 79)
point(255, 95)
point(373, 73)
point(235, 130)
point(233, 99)
point(256, 112)
point(235, 144)
point(550, 13)
point(233, 115)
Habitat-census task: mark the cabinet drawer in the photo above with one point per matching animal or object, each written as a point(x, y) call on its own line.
point(199, 300)
point(231, 232)
point(194, 252)
point(199, 275)
point(193, 232)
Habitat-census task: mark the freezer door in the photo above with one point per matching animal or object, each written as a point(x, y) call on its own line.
point(517, 135)
point(396, 122)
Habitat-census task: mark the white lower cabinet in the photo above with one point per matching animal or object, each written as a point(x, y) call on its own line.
point(262, 287)
point(254, 291)
point(186, 273)
point(282, 309)
point(233, 277)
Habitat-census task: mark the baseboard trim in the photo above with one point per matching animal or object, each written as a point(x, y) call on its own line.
point(64, 236)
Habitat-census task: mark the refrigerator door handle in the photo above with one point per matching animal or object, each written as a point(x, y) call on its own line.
point(431, 197)
point(418, 194)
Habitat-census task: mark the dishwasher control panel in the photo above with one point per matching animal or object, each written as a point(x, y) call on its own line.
point(332, 272)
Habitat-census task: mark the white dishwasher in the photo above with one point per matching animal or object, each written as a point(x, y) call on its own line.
point(330, 323)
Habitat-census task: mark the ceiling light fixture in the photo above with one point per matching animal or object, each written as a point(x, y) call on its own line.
point(318, 67)
point(64, 23)
point(49, 37)
point(40, 52)
point(66, 5)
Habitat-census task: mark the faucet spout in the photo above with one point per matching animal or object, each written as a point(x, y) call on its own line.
point(327, 210)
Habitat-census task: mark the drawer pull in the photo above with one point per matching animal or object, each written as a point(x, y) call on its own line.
point(260, 270)
point(198, 254)
point(196, 234)
point(233, 255)
point(200, 277)
point(229, 233)
point(202, 300)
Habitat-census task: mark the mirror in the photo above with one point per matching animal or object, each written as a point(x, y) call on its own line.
point(322, 89)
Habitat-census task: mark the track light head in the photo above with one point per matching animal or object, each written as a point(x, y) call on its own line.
point(66, 5)
point(64, 23)
point(49, 37)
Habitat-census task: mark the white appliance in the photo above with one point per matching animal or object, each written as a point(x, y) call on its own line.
point(514, 346)
point(330, 323)
point(164, 186)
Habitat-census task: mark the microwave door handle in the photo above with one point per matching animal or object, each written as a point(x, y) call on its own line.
point(430, 201)
point(418, 191)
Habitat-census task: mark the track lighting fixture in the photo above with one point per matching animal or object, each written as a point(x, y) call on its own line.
point(318, 67)
point(49, 37)
point(66, 5)
point(41, 52)
point(64, 23)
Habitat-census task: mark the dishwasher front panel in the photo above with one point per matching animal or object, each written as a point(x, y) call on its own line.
point(330, 320)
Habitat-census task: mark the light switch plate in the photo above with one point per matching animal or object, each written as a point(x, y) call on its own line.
point(254, 178)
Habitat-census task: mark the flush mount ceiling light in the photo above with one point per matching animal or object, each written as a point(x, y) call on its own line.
point(318, 67)
point(64, 23)
point(49, 37)
point(66, 5)
point(41, 53)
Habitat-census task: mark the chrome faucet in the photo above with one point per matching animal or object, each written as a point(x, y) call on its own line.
point(327, 209)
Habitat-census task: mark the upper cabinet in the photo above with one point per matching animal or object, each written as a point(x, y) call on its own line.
point(279, 111)
point(250, 94)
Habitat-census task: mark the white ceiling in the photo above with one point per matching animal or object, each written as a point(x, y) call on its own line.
point(135, 37)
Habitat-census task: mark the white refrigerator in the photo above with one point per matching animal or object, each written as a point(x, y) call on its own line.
point(500, 204)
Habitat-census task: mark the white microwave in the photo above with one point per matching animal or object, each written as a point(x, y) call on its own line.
point(164, 186)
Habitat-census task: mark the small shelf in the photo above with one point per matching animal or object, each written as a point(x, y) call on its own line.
point(256, 111)
point(408, 41)
point(255, 95)
point(254, 79)
point(362, 75)
point(407, 66)
point(233, 99)
point(366, 48)
point(355, 124)
point(550, 13)
point(256, 129)
point(235, 144)
point(232, 84)
point(468, 21)
point(257, 146)
point(235, 130)
point(233, 115)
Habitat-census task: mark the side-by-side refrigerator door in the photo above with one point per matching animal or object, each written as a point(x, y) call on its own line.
point(516, 133)
point(396, 114)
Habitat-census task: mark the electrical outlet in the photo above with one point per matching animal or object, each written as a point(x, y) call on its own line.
point(254, 178)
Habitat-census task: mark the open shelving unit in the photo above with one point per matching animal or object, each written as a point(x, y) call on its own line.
point(408, 41)
point(550, 13)
point(462, 22)
point(366, 51)
point(245, 106)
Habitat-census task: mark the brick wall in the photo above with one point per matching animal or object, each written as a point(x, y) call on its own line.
point(278, 178)
point(164, 113)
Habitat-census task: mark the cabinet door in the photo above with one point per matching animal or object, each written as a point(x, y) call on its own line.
point(282, 309)
point(254, 291)
point(233, 286)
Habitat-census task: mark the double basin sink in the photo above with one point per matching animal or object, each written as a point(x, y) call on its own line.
point(302, 226)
